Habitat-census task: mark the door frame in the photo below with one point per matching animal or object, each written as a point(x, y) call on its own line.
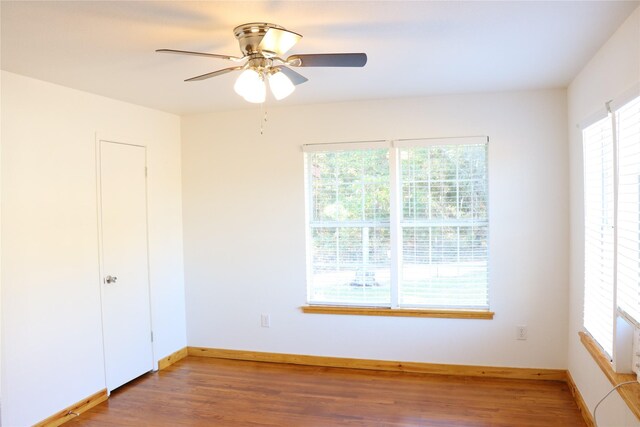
point(99, 138)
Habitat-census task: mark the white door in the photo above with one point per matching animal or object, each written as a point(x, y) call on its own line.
point(126, 313)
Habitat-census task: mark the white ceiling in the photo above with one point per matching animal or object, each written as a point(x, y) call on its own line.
point(415, 48)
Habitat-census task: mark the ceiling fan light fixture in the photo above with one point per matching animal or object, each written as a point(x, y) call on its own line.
point(251, 86)
point(281, 86)
point(262, 46)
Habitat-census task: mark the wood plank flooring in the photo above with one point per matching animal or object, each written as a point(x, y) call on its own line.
point(199, 391)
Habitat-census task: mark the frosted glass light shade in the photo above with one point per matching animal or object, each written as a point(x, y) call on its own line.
point(258, 95)
point(251, 87)
point(280, 85)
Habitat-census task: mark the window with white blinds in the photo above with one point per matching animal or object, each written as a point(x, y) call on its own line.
point(598, 231)
point(402, 224)
point(611, 154)
point(444, 226)
point(348, 226)
point(628, 221)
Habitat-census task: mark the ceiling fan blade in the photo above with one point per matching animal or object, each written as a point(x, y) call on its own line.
point(213, 74)
point(328, 60)
point(210, 55)
point(295, 77)
point(278, 41)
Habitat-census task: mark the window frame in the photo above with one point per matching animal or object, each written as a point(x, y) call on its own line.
point(331, 147)
point(593, 304)
point(610, 113)
point(405, 223)
point(394, 308)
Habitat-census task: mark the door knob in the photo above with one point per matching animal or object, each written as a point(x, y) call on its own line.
point(110, 279)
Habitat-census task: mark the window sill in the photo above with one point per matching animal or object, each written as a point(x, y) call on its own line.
point(629, 393)
point(397, 312)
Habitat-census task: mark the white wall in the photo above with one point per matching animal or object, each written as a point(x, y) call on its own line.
point(243, 199)
point(52, 344)
point(612, 71)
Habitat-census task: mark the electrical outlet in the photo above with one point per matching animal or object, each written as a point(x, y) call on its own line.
point(521, 332)
point(265, 320)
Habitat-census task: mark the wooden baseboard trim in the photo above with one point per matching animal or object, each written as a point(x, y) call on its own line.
point(383, 365)
point(582, 405)
point(165, 362)
point(70, 412)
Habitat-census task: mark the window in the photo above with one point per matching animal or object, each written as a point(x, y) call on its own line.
point(400, 225)
point(444, 226)
point(598, 233)
point(628, 220)
point(349, 226)
point(611, 155)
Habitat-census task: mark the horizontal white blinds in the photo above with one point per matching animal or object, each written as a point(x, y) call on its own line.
point(344, 146)
point(349, 229)
point(628, 222)
point(599, 233)
point(463, 140)
point(444, 223)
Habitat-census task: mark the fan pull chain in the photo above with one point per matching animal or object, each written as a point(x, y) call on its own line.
point(263, 120)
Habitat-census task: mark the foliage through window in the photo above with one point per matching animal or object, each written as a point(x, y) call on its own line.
point(402, 224)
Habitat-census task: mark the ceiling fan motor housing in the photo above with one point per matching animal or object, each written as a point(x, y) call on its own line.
point(250, 36)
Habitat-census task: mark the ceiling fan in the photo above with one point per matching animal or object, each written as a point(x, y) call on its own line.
point(262, 45)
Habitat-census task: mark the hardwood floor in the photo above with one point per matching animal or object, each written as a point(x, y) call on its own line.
point(199, 391)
